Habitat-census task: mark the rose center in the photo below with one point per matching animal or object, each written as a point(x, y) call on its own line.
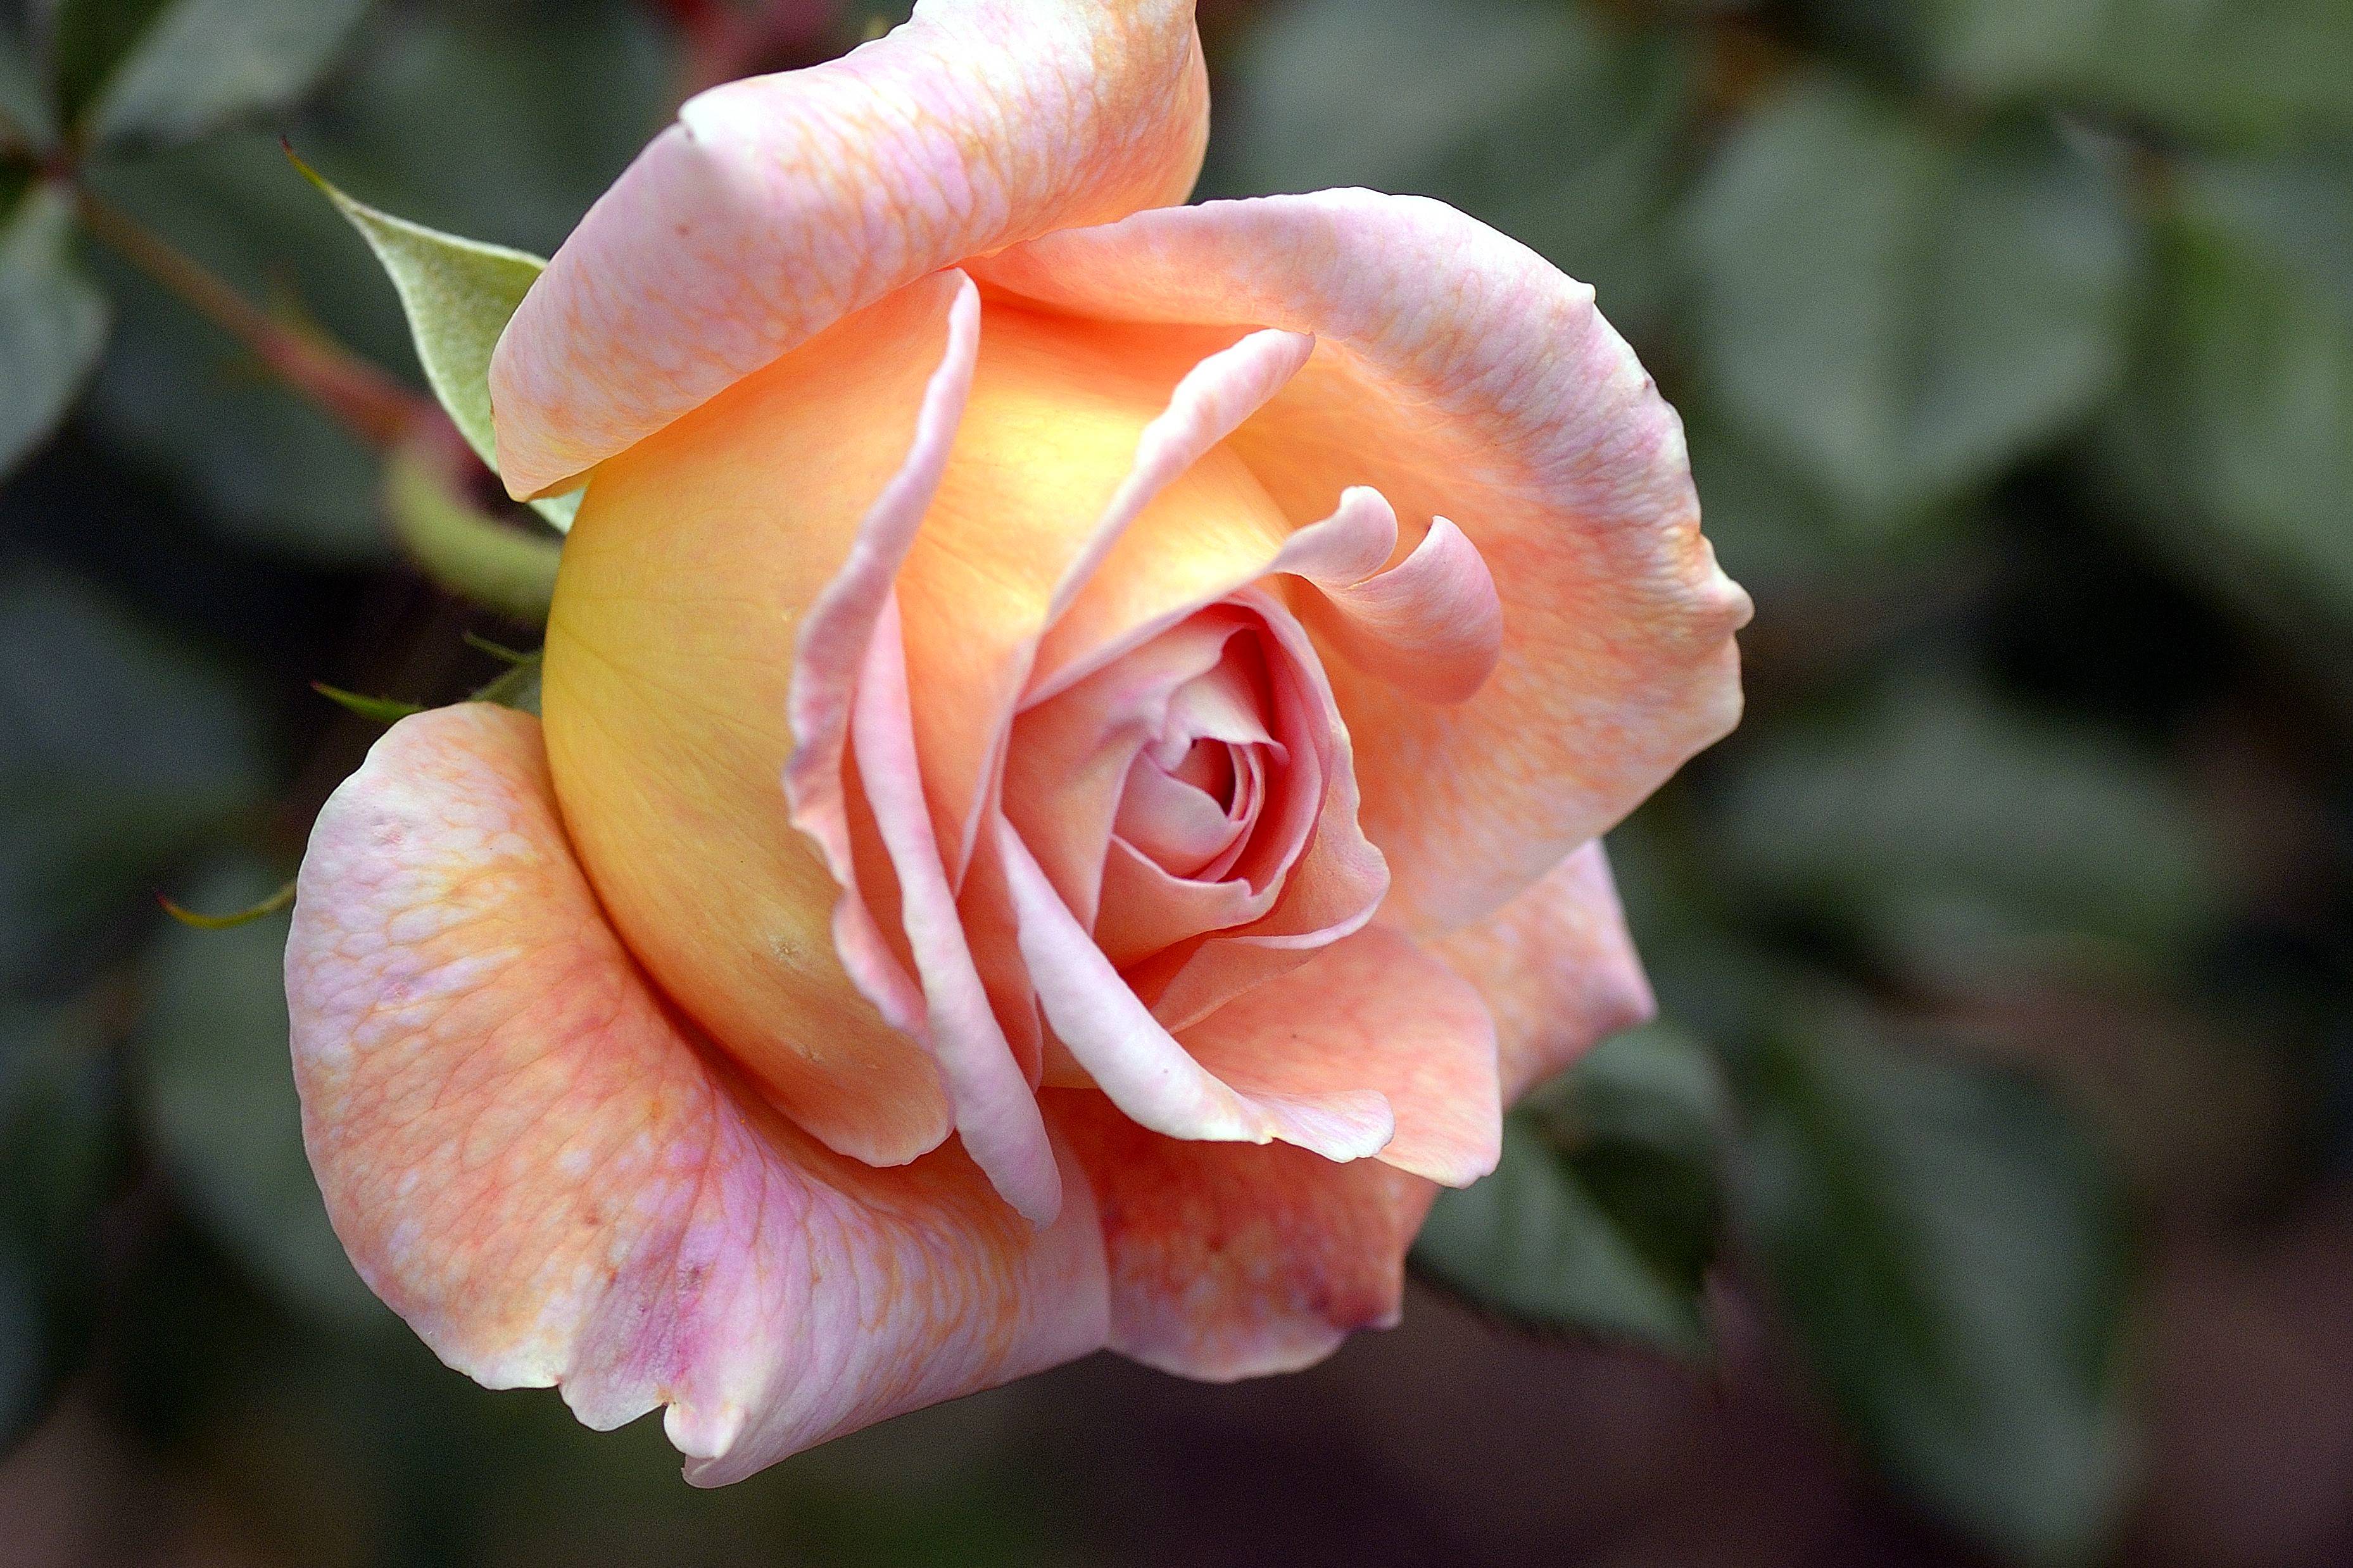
point(1208, 766)
point(1195, 792)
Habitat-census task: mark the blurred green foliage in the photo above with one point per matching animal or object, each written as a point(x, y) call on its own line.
point(1948, 1251)
point(1601, 1217)
point(2004, 954)
point(56, 1104)
point(213, 1105)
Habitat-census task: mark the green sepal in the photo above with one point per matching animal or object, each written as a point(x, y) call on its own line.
point(1602, 1217)
point(458, 295)
point(517, 686)
point(382, 709)
point(251, 912)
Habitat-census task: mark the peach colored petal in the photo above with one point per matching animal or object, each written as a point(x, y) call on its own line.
point(1147, 1073)
point(1208, 405)
point(1460, 376)
point(997, 1114)
point(1558, 968)
point(531, 1158)
point(1148, 909)
point(1373, 1011)
point(1229, 1261)
point(690, 570)
point(1431, 626)
point(984, 906)
point(836, 643)
point(1352, 544)
point(779, 205)
point(838, 629)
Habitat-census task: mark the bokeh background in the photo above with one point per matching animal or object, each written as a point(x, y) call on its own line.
point(1985, 1193)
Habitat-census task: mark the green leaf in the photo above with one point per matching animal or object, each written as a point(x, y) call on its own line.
point(169, 71)
point(1642, 1118)
point(217, 1098)
point(52, 321)
point(2235, 439)
point(28, 118)
point(1601, 1217)
point(1949, 1256)
point(58, 1157)
point(1965, 838)
point(458, 295)
point(118, 751)
point(1899, 312)
point(1542, 119)
point(2237, 69)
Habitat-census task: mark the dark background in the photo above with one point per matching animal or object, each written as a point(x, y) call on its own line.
point(2003, 1097)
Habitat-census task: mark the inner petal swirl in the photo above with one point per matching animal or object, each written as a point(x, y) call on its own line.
point(1167, 816)
point(1061, 733)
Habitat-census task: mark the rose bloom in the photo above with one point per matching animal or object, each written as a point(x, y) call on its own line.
point(1075, 730)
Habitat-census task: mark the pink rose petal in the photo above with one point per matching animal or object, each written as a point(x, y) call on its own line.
point(1135, 1061)
point(671, 711)
point(779, 205)
point(1229, 1261)
point(1558, 968)
point(534, 1159)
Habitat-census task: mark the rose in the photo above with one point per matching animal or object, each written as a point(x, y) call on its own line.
point(1046, 835)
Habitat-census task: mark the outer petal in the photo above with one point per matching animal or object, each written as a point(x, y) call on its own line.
point(1558, 968)
point(1229, 1260)
point(533, 1160)
point(1459, 375)
point(779, 205)
point(699, 559)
